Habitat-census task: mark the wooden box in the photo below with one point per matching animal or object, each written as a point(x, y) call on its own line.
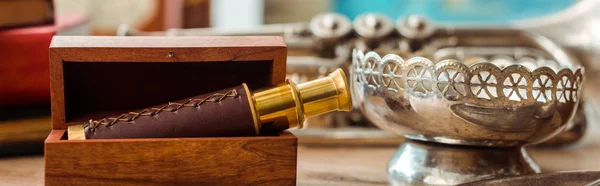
point(94, 77)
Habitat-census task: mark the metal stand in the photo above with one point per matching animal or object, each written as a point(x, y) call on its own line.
point(426, 163)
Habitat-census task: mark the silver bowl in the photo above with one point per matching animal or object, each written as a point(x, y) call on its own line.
point(478, 116)
point(450, 102)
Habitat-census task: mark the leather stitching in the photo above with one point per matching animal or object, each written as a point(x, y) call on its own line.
point(169, 107)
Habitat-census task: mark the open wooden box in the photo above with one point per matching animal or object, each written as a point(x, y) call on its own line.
point(94, 77)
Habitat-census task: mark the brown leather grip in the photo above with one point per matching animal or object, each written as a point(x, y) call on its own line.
point(221, 113)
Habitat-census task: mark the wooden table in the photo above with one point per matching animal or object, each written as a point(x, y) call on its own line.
point(329, 165)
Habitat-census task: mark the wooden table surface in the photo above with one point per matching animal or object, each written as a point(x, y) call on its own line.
point(329, 165)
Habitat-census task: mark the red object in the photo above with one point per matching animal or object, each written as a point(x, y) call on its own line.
point(24, 76)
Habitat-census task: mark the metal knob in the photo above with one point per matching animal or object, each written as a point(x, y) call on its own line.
point(330, 26)
point(373, 26)
point(415, 27)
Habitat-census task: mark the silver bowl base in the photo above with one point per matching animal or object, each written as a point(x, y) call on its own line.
point(427, 163)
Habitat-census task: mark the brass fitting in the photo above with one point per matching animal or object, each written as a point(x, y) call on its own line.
point(287, 105)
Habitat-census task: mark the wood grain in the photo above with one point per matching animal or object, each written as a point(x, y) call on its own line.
point(264, 160)
point(341, 165)
point(143, 50)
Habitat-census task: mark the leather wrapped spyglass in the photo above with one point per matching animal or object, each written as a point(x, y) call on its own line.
point(235, 111)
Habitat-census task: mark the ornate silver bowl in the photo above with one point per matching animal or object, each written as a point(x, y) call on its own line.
point(478, 112)
point(484, 104)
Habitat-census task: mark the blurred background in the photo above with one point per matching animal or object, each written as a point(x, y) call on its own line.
point(27, 26)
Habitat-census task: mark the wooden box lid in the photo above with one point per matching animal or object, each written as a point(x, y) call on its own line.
point(98, 76)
